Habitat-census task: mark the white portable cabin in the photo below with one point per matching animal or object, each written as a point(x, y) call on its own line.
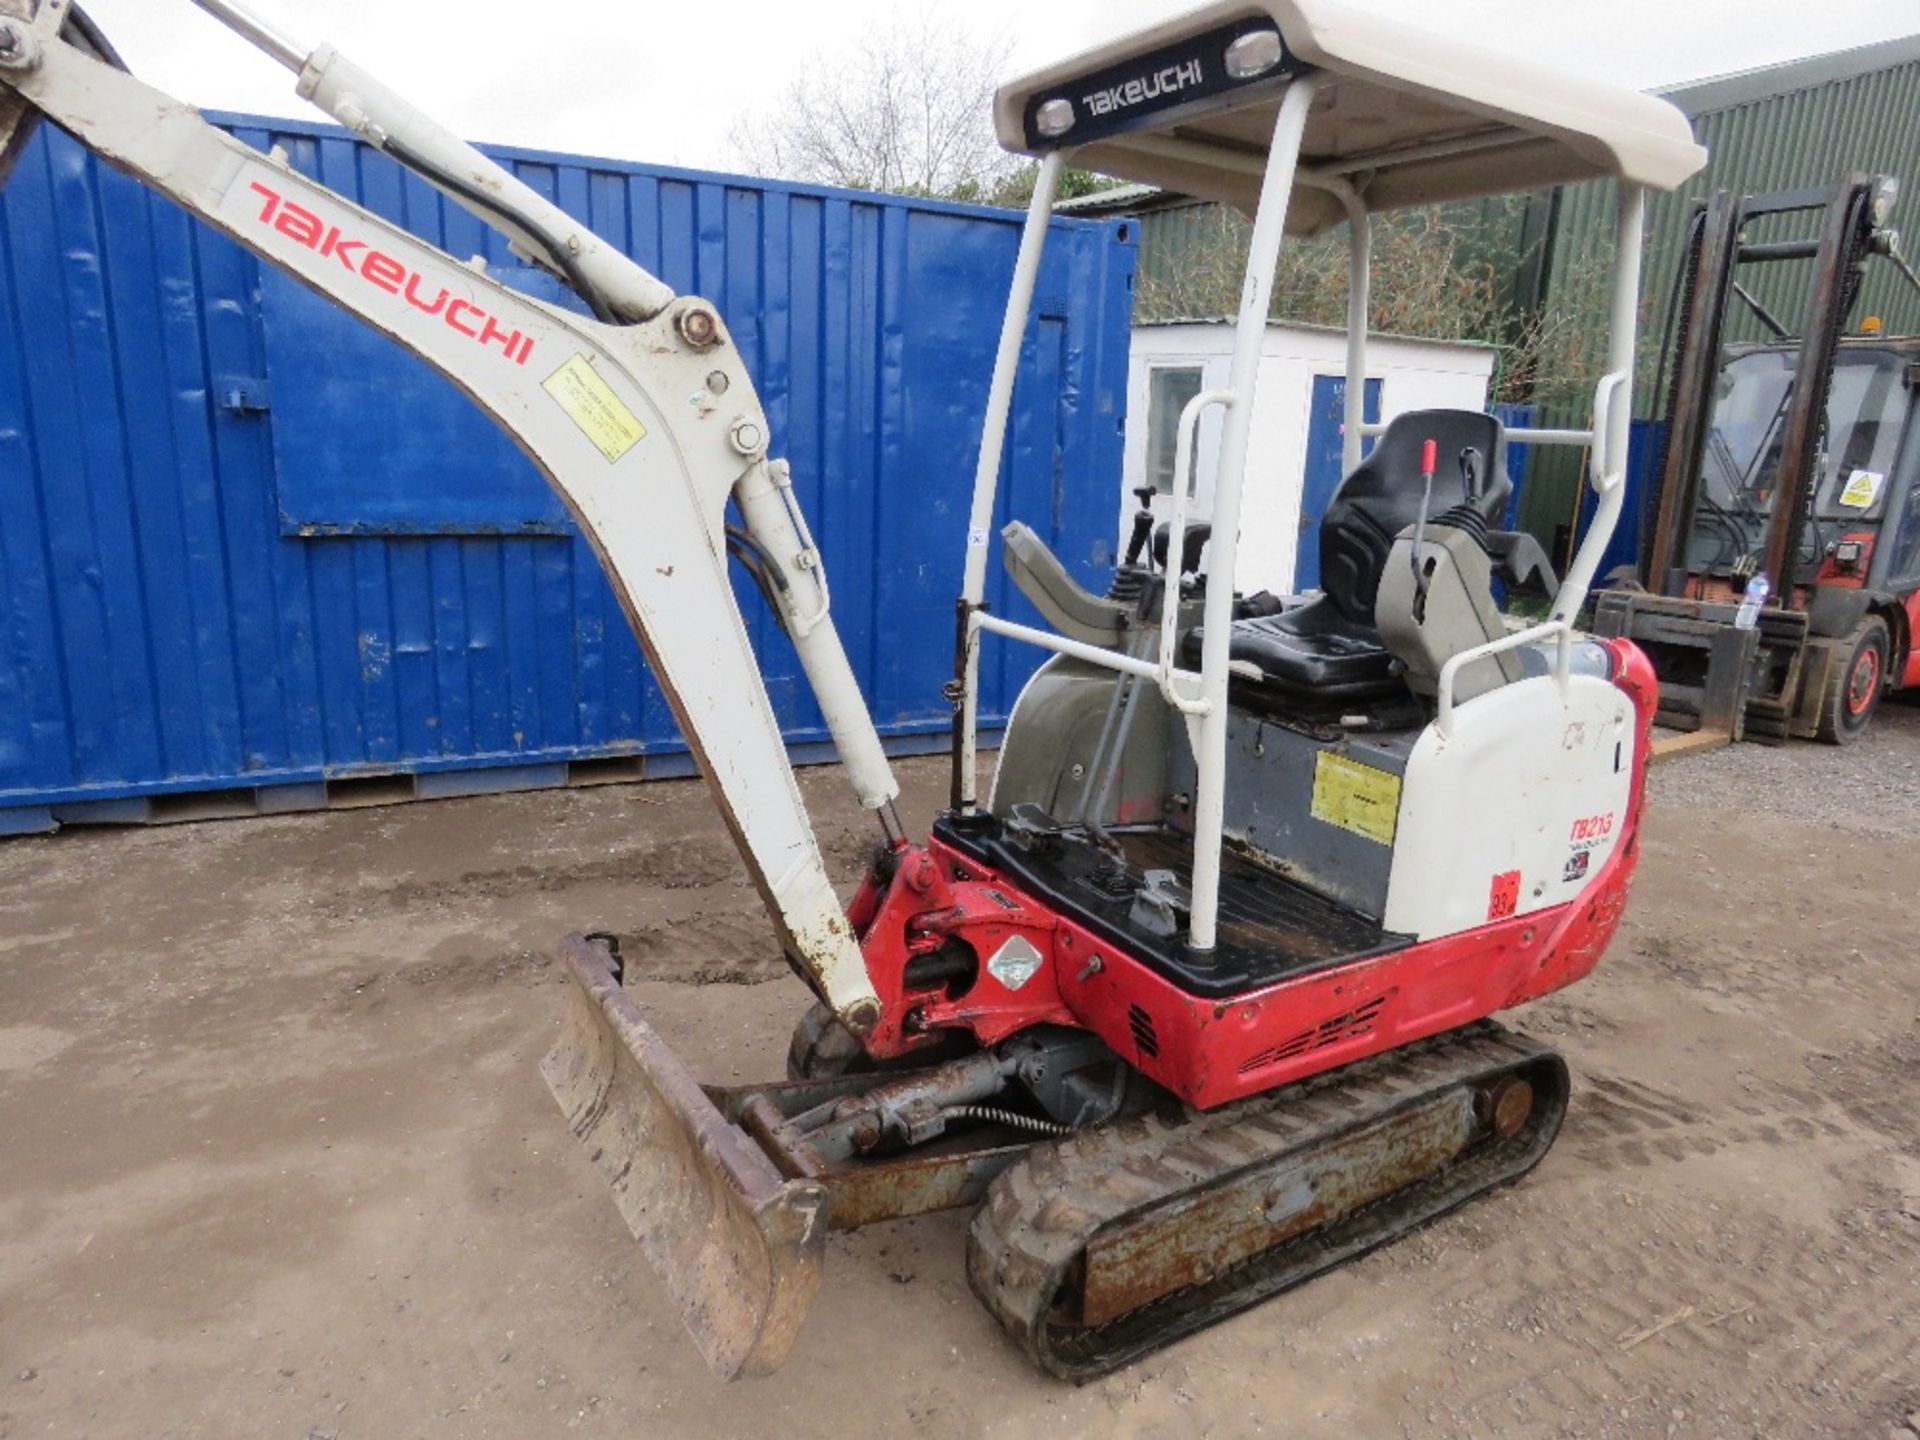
point(1295, 443)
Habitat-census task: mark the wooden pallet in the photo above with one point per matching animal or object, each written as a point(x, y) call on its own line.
point(1676, 745)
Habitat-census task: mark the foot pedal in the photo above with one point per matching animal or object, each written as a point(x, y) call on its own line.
point(1034, 830)
point(1162, 905)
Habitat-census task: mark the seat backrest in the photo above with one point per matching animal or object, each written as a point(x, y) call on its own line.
point(1382, 497)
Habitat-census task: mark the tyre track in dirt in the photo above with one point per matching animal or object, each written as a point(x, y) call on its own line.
point(1630, 1123)
point(339, 1018)
point(1574, 1336)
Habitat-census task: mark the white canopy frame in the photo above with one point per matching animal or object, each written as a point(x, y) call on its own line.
point(1201, 697)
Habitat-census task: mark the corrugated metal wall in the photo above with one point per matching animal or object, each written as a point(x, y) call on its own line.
point(1172, 237)
point(245, 542)
point(1758, 139)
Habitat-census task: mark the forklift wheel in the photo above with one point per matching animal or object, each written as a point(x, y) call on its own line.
point(1854, 690)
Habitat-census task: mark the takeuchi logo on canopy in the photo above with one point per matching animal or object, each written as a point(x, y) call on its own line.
point(1168, 81)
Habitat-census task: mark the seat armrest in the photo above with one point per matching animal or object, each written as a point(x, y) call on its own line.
point(1066, 606)
point(1520, 560)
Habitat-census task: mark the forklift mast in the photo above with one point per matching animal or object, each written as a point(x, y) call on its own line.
point(1852, 216)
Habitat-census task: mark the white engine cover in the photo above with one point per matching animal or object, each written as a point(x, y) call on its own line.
point(1516, 810)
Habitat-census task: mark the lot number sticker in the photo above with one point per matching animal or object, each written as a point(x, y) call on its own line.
point(1356, 797)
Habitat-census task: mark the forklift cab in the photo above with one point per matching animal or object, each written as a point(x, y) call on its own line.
point(1863, 526)
point(1306, 114)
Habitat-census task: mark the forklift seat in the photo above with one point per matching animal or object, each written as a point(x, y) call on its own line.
point(1328, 648)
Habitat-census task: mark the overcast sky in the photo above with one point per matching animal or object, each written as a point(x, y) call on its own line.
point(664, 83)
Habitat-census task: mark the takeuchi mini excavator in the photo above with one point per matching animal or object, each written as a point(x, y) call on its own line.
point(1193, 1005)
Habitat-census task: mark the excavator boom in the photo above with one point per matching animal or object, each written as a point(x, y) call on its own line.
point(645, 424)
point(645, 421)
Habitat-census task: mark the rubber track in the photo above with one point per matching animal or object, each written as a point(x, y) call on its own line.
point(1042, 1212)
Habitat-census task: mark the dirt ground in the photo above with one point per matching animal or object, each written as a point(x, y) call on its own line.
point(275, 1159)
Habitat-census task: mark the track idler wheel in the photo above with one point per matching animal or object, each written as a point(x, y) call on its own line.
point(824, 1049)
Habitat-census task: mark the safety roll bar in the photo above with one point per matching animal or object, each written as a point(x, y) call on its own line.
point(1527, 433)
point(986, 480)
point(1166, 675)
point(1201, 697)
point(1207, 710)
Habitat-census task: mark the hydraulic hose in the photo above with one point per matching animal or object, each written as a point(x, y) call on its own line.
point(558, 255)
point(994, 1115)
point(767, 578)
point(79, 31)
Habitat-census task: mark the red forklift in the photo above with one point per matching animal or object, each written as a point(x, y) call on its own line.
point(1790, 477)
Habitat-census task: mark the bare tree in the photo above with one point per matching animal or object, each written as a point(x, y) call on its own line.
point(1429, 281)
point(908, 108)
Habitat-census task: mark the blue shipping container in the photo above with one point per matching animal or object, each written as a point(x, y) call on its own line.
point(246, 542)
point(1645, 440)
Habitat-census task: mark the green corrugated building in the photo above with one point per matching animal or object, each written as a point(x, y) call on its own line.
point(1782, 127)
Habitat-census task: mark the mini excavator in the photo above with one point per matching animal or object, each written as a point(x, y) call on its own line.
point(1195, 1003)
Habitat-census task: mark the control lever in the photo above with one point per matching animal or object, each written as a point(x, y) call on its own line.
point(1429, 457)
point(1142, 524)
point(1471, 478)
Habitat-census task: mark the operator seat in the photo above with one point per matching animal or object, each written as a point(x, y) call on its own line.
point(1329, 648)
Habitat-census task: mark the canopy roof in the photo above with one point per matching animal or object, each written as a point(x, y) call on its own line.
point(1408, 116)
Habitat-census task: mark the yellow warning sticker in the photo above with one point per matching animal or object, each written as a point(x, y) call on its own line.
point(1863, 488)
point(1356, 797)
point(591, 404)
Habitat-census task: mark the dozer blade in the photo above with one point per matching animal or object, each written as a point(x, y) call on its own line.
point(738, 1245)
